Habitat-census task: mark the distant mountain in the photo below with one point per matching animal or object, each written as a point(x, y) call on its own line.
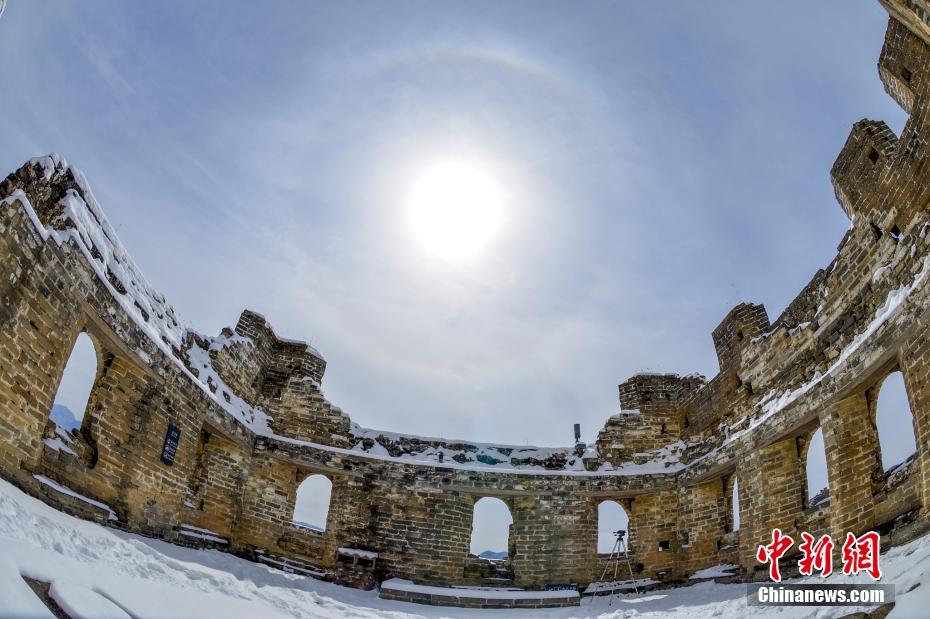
point(494, 556)
point(64, 418)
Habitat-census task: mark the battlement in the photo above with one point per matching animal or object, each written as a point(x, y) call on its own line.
point(649, 418)
point(653, 393)
point(280, 358)
point(896, 67)
point(742, 324)
point(863, 158)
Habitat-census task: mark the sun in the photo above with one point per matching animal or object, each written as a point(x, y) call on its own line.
point(455, 209)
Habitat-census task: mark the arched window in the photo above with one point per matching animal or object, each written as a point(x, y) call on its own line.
point(894, 421)
point(734, 504)
point(818, 487)
point(76, 384)
point(610, 518)
point(312, 505)
point(490, 532)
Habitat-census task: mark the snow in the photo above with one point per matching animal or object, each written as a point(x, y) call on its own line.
point(68, 491)
point(717, 571)
point(664, 460)
point(151, 579)
point(307, 525)
point(200, 361)
point(880, 272)
point(355, 552)
point(203, 534)
point(619, 585)
point(288, 567)
point(59, 445)
point(16, 597)
point(771, 404)
point(82, 603)
point(486, 593)
point(94, 236)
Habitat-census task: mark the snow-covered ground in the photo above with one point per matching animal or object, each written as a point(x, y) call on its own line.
point(100, 572)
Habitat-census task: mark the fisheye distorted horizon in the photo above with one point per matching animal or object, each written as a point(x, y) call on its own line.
point(485, 216)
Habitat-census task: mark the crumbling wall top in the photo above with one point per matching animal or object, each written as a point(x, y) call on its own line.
point(744, 322)
point(280, 357)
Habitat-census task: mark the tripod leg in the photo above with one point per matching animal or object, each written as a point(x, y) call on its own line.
point(613, 583)
point(610, 558)
point(630, 567)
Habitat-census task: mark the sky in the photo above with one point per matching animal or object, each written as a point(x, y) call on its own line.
point(656, 165)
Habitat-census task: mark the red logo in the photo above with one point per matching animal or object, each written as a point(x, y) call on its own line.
point(859, 554)
point(817, 555)
point(773, 552)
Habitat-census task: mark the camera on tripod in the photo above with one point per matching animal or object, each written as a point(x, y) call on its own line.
point(620, 534)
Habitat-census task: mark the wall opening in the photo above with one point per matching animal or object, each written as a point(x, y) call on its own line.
point(734, 505)
point(77, 381)
point(490, 531)
point(818, 486)
point(894, 422)
point(312, 505)
point(611, 517)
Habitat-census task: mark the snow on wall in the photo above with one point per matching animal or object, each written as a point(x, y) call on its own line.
point(399, 584)
point(54, 485)
point(82, 220)
point(772, 403)
point(93, 234)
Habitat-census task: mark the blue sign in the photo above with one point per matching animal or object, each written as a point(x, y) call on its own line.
point(170, 449)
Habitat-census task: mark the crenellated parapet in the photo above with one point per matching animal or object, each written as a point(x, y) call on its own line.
point(902, 65)
point(281, 377)
point(862, 161)
point(743, 323)
point(282, 359)
point(650, 417)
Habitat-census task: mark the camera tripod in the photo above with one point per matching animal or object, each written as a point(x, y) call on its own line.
point(616, 555)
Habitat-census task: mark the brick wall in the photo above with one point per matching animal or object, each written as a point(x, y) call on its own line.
point(818, 365)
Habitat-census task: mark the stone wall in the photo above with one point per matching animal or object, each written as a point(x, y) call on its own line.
point(253, 422)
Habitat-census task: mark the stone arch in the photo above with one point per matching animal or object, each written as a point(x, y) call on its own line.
point(816, 489)
point(77, 380)
point(69, 416)
point(894, 421)
point(312, 502)
point(492, 525)
point(611, 517)
point(731, 497)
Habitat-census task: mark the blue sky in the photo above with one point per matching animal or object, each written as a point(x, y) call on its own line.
point(661, 164)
